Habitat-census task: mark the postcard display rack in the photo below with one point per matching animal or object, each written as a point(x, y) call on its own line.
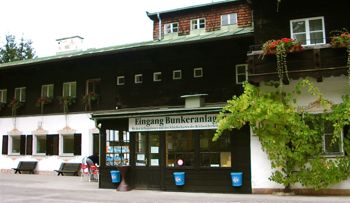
point(117, 148)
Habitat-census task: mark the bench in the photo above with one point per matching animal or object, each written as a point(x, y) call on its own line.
point(73, 168)
point(25, 166)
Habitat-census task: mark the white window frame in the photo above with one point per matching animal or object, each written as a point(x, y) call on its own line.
point(239, 73)
point(120, 80)
point(3, 95)
point(170, 28)
point(175, 72)
point(22, 94)
point(35, 143)
point(198, 72)
point(138, 79)
point(157, 76)
point(341, 140)
point(70, 84)
point(47, 93)
point(92, 81)
point(229, 19)
point(196, 25)
point(307, 30)
point(61, 145)
point(10, 145)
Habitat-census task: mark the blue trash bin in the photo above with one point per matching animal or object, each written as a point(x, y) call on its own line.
point(236, 178)
point(115, 176)
point(179, 178)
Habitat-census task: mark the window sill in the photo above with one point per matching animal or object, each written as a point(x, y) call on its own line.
point(66, 155)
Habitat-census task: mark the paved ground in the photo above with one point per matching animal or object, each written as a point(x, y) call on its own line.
point(68, 189)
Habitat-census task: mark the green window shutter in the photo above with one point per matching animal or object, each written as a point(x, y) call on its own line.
point(29, 145)
point(5, 139)
point(52, 144)
point(22, 149)
point(77, 144)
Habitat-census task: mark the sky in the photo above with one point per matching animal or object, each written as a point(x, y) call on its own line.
point(101, 23)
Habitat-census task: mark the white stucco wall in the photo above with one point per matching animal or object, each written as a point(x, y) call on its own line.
point(332, 88)
point(80, 123)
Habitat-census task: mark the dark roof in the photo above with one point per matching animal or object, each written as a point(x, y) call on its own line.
point(153, 15)
point(186, 39)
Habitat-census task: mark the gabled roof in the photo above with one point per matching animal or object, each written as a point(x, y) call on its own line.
point(186, 39)
point(153, 15)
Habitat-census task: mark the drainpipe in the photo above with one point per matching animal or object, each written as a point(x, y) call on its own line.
point(160, 27)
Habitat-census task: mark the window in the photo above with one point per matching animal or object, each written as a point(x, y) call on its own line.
point(308, 31)
point(147, 149)
point(138, 78)
point(15, 144)
point(3, 96)
point(197, 23)
point(177, 75)
point(93, 85)
point(332, 144)
point(171, 28)
point(47, 91)
point(69, 89)
point(180, 149)
point(229, 19)
point(157, 76)
point(117, 147)
point(120, 80)
point(69, 144)
point(39, 144)
point(241, 73)
point(20, 94)
point(214, 154)
point(198, 72)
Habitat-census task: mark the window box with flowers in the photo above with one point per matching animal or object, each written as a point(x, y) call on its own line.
point(66, 102)
point(88, 99)
point(42, 101)
point(281, 48)
point(342, 40)
point(15, 104)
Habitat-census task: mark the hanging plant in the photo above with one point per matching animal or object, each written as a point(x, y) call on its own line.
point(343, 40)
point(88, 99)
point(14, 105)
point(66, 102)
point(42, 101)
point(281, 47)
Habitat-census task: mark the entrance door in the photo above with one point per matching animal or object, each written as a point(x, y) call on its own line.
point(148, 160)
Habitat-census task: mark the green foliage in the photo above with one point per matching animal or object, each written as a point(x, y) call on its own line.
point(291, 137)
point(12, 51)
point(66, 102)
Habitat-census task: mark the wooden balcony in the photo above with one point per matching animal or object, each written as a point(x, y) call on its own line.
point(316, 61)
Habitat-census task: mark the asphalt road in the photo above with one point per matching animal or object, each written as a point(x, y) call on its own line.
point(69, 189)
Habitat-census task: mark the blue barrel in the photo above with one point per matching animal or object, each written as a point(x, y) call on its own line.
point(115, 176)
point(179, 178)
point(236, 178)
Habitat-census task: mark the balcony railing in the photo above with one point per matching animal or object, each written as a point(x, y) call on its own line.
point(316, 61)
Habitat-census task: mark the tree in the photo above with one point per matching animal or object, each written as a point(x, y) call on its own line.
point(12, 51)
point(291, 137)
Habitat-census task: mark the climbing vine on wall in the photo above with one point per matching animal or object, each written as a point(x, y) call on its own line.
point(291, 137)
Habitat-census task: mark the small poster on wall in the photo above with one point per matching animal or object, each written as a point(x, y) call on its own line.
point(154, 162)
point(154, 150)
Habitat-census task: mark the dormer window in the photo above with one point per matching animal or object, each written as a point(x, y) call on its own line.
point(197, 23)
point(308, 31)
point(229, 19)
point(171, 28)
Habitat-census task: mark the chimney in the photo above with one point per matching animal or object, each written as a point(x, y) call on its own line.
point(69, 44)
point(194, 100)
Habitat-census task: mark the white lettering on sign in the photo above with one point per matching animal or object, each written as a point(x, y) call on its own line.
point(186, 122)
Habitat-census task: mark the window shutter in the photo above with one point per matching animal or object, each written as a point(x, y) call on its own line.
point(52, 144)
point(29, 147)
point(77, 144)
point(5, 139)
point(22, 149)
point(346, 132)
